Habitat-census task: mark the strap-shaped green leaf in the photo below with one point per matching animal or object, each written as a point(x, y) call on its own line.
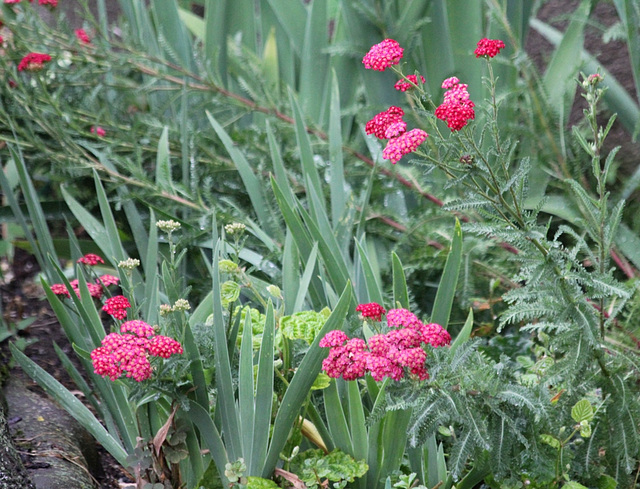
point(465, 332)
point(371, 278)
point(336, 419)
point(226, 393)
point(246, 405)
point(559, 78)
point(447, 287)
point(264, 394)
point(302, 382)
point(163, 162)
point(400, 292)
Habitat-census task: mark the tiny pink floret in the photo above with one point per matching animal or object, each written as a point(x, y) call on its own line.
point(98, 131)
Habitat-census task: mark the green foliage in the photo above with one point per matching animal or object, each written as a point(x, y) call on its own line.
point(304, 325)
point(315, 468)
point(255, 120)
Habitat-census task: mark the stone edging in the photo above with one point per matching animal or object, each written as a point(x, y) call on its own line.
point(60, 452)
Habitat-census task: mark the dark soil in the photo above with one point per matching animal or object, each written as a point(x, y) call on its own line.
point(612, 55)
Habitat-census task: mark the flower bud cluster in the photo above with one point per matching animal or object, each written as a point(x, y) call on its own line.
point(129, 264)
point(393, 354)
point(128, 352)
point(168, 226)
point(235, 228)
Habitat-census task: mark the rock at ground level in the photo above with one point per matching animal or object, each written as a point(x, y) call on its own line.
point(12, 473)
point(60, 450)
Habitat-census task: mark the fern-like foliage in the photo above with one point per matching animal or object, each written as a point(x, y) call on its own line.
point(482, 402)
point(568, 297)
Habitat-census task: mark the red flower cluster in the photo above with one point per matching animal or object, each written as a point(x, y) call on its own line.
point(90, 259)
point(372, 310)
point(99, 131)
point(381, 122)
point(488, 47)
point(457, 108)
point(128, 352)
point(117, 306)
point(33, 62)
point(383, 55)
point(404, 85)
point(385, 355)
point(82, 36)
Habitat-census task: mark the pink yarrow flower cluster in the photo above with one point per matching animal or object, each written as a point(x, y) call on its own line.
point(385, 355)
point(90, 259)
point(95, 289)
point(128, 352)
point(382, 55)
point(405, 143)
point(33, 62)
point(117, 306)
point(457, 108)
point(488, 47)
